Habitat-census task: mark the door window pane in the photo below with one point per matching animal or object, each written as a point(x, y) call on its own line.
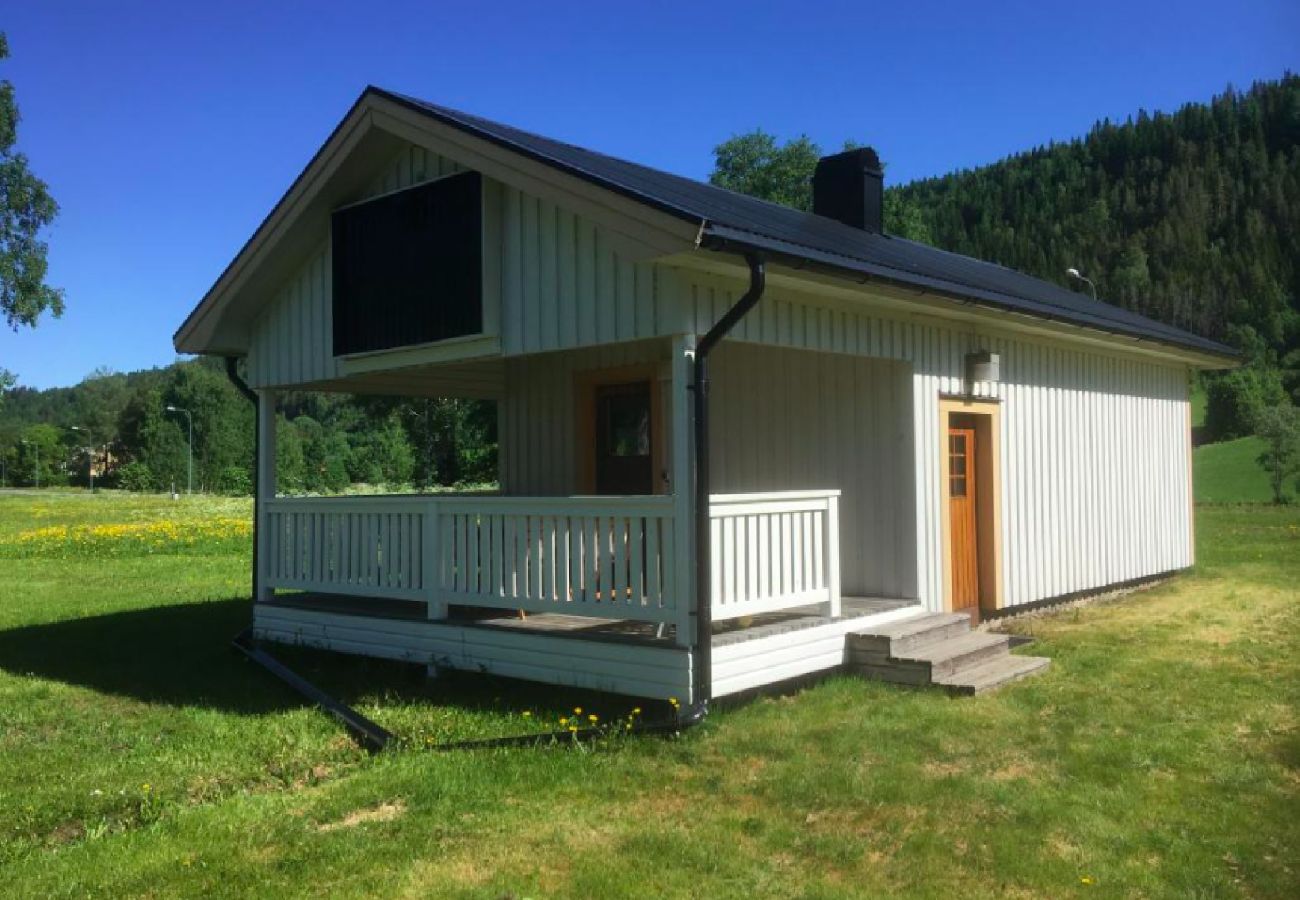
point(628, 420)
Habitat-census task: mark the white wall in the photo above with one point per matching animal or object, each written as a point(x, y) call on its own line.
point(292, 341)
point(1096, 484)
point(557, 279)
point(795, 420)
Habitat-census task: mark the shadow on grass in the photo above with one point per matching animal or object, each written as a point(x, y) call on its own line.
point(180, 654)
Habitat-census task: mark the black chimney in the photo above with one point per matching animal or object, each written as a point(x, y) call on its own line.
point(849, 187)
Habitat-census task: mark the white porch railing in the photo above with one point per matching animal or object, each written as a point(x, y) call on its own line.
point(611, 557)
point(347, 545)
point(608, 557)
point(774, 551)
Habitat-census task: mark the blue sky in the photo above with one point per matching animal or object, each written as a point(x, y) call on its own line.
point(168, 130)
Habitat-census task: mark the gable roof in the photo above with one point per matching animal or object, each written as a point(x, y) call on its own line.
point(726, 217)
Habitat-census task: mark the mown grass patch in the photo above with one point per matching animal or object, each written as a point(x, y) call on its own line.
point(1227, 472)
point(1160, 756)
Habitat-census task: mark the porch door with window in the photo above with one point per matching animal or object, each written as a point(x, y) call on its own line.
point(624, 439)
point(963, 539)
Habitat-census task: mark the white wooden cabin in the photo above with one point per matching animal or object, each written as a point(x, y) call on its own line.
point(892, 429)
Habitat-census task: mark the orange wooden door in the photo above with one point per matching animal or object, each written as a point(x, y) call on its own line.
point(963, 539)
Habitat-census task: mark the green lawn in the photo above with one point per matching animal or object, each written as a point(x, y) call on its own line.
point(1158, 757)
point(1227, 473)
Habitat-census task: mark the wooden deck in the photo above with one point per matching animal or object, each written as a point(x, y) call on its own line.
point(619, 631)
point(618, 656)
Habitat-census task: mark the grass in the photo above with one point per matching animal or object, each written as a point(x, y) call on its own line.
point(1228, 473)
point(1159, 757)
point(1199, 400)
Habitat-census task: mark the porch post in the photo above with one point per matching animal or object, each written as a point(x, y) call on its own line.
point(683, 471)
point(431, 571)
point(265, 489)
point(833, 554)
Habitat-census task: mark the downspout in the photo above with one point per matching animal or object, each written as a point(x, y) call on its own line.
point(232, 372)
point(703, 543)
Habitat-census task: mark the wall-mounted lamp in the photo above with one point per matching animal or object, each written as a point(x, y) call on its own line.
point(982, 366)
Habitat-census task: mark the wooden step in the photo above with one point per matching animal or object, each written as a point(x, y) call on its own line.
point(877, 645)
point(993, 673)
point(932, 661)
point(955, 654)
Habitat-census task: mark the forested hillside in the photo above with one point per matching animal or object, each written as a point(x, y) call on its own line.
point(1191, 217)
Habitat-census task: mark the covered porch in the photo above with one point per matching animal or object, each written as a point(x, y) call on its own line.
point(580, 591)
point(554, 576)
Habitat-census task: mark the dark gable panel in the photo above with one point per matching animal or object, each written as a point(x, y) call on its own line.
point(408, 266)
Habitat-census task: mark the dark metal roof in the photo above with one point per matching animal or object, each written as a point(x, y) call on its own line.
point(805, 238)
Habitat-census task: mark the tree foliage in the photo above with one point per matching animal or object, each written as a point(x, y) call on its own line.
point(326, 442)
point(758, 164)
point(26, 208)
point(1279, 428)
point(1192, 218)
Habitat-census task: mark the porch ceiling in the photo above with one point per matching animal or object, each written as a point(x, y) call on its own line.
point(479, 380)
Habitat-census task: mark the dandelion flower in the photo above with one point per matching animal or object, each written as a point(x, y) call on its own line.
point(577, 710)
point(527, 714)
point(1086, 879)
point(592, 718)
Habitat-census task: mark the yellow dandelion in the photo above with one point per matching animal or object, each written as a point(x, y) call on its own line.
point(564, 720)
point(636, 711)
point(592, 718)
point(577, 710)
point(527, 714)
point(1086, 879)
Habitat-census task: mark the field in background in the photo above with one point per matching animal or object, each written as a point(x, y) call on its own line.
point(1228, 473)
point(1159, 756)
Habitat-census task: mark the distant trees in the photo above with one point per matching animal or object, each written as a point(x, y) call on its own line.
point(1279, 428)
point(756, 163)
point(1235, 400)
point(326, 442)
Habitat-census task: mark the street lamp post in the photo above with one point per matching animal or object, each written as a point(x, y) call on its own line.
point(189, 443)
point(36, 448)
point(90, 455)
point(1075, 273)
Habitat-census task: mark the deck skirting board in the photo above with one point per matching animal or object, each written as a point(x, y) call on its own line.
point(658, 672)
point(749, 664)
point(554, 658)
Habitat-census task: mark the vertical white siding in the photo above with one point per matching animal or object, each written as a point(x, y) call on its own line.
point(1094, 466)
point(565, 283)
point(553, 280)
point(795, 420)
point(1094, 445)
point(292, 341)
